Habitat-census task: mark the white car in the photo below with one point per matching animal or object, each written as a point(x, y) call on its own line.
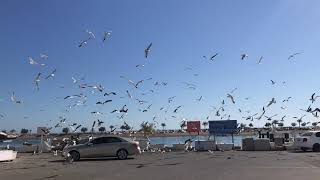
point(308, 141)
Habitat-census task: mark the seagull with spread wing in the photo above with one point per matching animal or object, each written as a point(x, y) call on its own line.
point(177, 108)
point(106, 35)
point(147, 50)
point(52, 74)
point(37, 81)
point(293, 55)
point(243, 56)
point(273, 101)
point(231, 98)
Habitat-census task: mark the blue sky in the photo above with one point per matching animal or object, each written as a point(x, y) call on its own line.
point(181, 32)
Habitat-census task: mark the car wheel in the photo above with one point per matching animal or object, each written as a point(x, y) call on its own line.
point(316, 147)
point(122, 154)
point(75, 156)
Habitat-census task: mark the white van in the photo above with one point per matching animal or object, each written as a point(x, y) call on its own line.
point(308, 141)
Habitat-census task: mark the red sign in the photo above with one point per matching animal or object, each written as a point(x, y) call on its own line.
point(193, 126)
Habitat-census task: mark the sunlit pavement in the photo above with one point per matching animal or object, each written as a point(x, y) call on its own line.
point(174, 165)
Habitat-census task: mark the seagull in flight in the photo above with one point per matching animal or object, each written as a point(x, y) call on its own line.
point(124, 109)
point(74, 96)
point(243, 56)
point(137, 84)
point(147, 50)
point(231, 98)
point(96, 112)
point(270, 118)
point(129, 95)
point(177, 108)
point(100, 123)
point(114, 111)
point(293, 55)
point(260, 60)
point(273, 101)
point(14, 99)
point(37, 81)
point(214, 56)
point(233, 90)
point(273, 82)
point(52, 74)
point(83, 43)
point(32, 61)
point(313, 97)
point(106, 35)
point(44, 56)
point(287, 100)
point(91, 35)
point(170, 99)
point(107, 101)
point(309, 109)
point(111, 93)
point(200, 98)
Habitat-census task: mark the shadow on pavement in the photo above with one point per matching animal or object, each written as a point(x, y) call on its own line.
point(92, 159)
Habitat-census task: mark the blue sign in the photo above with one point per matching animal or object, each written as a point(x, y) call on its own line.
point(223, 127)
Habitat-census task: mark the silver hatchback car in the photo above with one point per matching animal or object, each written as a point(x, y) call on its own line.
point(108, 146)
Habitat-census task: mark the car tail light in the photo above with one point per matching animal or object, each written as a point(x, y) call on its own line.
point(304, 140)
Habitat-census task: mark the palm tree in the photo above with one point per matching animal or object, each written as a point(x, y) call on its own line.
point(299, 121)
point(267, 125)
point(205, 124)
point(250, 125)
point(84, 130)
point(275, 123)
point(304, 124)
point(314, 124)
point(65, 130)
point(147, 128)
point(102, 129)
point(24, 131)
point(242, 126)
point(163, 126)
point(280, 124)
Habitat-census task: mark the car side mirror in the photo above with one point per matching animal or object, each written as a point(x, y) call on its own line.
point(90, 144)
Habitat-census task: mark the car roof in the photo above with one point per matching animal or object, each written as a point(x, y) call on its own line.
point(107, 136)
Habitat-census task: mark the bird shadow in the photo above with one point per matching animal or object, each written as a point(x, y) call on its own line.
point(141, 165)
point(169, 164)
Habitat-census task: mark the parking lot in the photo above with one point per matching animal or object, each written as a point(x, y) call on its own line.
point(173, 165)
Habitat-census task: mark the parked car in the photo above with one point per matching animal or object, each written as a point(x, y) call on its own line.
point(308, 141)
point(108, 146)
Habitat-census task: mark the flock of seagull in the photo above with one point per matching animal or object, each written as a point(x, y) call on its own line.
point(171, 109)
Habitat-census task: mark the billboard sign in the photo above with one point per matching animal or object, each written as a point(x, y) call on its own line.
point(193, 126)
point(223, 127)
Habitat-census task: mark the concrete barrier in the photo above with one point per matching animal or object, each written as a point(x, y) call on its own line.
point(178, 147)
point(225, 147)
point(262, 145)
point(248, 144)
point(205, 145)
